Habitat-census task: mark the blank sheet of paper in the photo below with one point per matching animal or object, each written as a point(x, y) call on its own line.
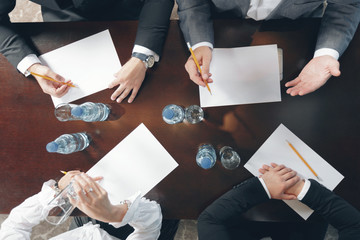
point(138, 163)
point(242, 76)
point(90, 63)
point(276, 150)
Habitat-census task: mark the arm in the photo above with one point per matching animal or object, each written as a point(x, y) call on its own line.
point(150, 37)
point(334, 209)
point(28, 214)
point(275, 181)
point(212, 223)
point(197, 28)
point(337, 28)
point(144, 215)
point(12, 45)
point(22, 57)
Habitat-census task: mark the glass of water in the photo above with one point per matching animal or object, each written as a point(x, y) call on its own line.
point(60, 208)
point(194, 114)
point(229, 158)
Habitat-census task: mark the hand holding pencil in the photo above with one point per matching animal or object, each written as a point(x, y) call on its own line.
point(57, 87)
point(201, 56)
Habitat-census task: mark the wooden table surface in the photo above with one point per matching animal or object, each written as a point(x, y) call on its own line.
point(327, 120)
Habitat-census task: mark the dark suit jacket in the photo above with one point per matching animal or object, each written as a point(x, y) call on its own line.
point(215, 220)
point(153, 17)
point(338, 24)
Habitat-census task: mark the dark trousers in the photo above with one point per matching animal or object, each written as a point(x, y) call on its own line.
point(167, 232)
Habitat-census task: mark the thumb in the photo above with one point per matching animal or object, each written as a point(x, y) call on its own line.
point(288, 197)
point(205, 67)
point(113, 83)
point(334, 70)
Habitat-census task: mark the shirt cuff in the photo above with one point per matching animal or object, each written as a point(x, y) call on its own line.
point(146, 51)
point(327, 51)
point(135, 200)
point(265, 188)
point(202, 44)
point(26, 62)
point(47, 192)
point(304, 190)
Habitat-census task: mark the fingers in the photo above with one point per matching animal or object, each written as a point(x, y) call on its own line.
point(123, 95)
point(115, 82)
point(61, 91)
point(273, 165)
point(288, 197)
point(206, 67)
point(192, 70)
point(334, 70)
point(133, 95)
point(117, 92)
point(86, 184)
point(292, 181)
point(292, 83)
point(289, 174)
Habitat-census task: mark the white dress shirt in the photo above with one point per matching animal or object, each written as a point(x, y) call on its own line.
point(143, 215)
point(260, 10)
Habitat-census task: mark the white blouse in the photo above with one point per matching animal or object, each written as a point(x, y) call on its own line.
point(143, 215)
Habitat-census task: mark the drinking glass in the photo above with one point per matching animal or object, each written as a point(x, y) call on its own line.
point(60, 208)
point(229, 158)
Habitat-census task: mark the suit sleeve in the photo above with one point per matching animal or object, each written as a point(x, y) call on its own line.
point(153, 24)
point(338, 25)
point(335, 210)
point(195, 21)
point(12, 45)
point(212, 223)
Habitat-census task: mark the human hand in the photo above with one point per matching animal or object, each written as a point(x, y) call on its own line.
point(314, 75)
point(129, 78)
point(203, 55)
point(65, 180)
point(278, 180)
point(49, 87)
point(93, 200)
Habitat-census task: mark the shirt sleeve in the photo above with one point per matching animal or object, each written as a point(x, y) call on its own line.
point(144, 216)
point(27, 62)
point(327, 51)
point(28, 214)
point(146, 51)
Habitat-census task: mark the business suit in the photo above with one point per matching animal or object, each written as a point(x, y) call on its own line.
point(217, 221)
point(154, 18)
point(338, 25)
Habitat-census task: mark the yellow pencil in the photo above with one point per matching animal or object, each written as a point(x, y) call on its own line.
point(302, 159)
point(198, 66)
point(51, 79)
point(63, 172)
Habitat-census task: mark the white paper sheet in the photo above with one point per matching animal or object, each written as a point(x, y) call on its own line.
point(138, 163)
point(242, 76)
point(90, 63)
point(276, 150)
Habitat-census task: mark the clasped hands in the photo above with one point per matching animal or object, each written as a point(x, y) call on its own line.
point(282, 182)
point(92, 199)
point(314, 75)
point(129, 78)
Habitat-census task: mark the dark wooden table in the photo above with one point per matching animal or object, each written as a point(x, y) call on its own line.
point(327, 120)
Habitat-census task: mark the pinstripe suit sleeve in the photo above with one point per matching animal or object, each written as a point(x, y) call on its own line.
point(338, 25)
point(12, 45)
point(195, 21)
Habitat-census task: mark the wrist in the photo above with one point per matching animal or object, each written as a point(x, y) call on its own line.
point(33, 67)
point(138, 63)
point(296, 189)
point(118, 212)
